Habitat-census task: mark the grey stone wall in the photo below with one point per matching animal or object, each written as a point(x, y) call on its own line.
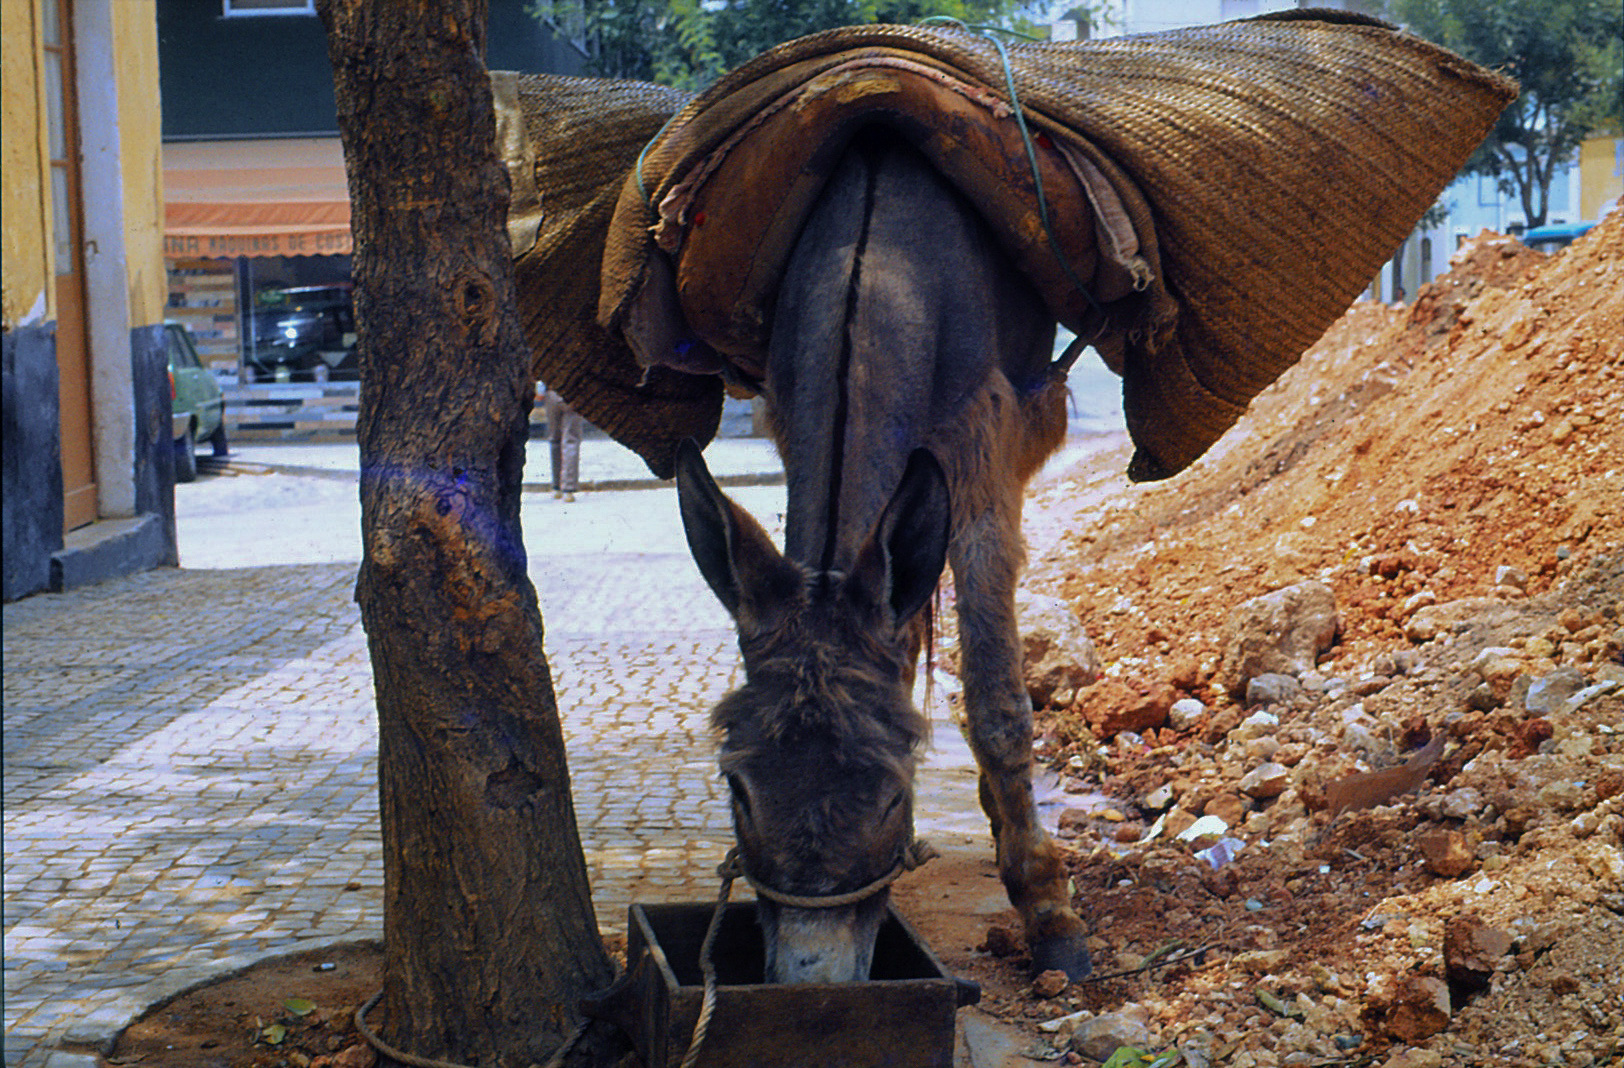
point(37, 556)
point(154, 460)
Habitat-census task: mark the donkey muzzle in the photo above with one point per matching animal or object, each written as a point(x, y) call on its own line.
point(825, 945)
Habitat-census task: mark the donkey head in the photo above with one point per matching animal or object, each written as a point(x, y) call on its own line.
point(818, 745)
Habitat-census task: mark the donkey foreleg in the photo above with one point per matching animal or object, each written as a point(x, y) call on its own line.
point(986, 555)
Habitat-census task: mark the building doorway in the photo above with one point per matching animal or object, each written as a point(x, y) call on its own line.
point(67, 229)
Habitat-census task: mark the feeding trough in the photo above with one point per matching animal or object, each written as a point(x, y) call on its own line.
point(902, 1018)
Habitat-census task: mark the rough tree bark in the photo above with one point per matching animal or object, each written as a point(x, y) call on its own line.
point(489, 931)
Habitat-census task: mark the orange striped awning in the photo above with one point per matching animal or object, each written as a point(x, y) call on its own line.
point(283, 197)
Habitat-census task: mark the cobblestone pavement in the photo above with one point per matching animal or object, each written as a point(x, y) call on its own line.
point(190, 755)
point(187, 765)
point(604, 464)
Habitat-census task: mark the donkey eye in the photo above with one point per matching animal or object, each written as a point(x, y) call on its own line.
point(894, 804)
point(741, 796)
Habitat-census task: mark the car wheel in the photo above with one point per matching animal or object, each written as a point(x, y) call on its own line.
point(186, 457)
point(217, 440)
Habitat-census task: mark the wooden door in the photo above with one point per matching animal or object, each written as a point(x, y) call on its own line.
point(72, 352)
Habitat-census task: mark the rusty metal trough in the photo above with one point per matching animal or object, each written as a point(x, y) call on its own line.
point(902, 1018)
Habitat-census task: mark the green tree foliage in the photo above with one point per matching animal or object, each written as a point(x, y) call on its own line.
point(687, 43)
point(1569, 57)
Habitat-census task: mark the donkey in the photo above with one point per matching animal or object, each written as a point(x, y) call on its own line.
point(911, 396)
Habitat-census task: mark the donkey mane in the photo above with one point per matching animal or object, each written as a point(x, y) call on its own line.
point(814, 691)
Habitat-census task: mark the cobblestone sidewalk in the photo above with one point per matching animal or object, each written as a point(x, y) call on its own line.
point(190, 767)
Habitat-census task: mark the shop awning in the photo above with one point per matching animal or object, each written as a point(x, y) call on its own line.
point(285, 197)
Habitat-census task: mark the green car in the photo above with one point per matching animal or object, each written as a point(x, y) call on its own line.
point(198, 409)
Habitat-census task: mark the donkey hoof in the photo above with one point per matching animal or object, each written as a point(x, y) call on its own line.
point(1068, 954)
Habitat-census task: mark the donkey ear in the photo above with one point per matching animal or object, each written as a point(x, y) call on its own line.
point(904, 559)
point(737, 558)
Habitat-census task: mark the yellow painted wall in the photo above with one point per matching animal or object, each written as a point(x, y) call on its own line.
point(135, 36)
point(25, 243)
point(1599, 179)
point(25, 239)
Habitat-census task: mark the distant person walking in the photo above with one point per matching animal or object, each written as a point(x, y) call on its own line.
point(564, 436)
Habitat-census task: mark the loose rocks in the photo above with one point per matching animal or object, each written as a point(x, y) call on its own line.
point(1058, 655)
point(1102, 1036)
point(1472, 951)
point(1445, 853)
point(1546, 695)
point(1271, 689)
point(1111, 707)
point(1281, 632)
point(1420, 1009)
point(1266, 781)
point(1185, 713)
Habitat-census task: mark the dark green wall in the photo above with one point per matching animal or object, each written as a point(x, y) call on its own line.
point(518, 42)
point(268, 76)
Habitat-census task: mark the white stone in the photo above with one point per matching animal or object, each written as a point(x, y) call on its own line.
point(1185, 713)
point(1202, 827)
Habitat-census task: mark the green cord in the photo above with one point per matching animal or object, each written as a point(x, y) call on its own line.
point(642, 190)
point(990, 33)
point(979, 29)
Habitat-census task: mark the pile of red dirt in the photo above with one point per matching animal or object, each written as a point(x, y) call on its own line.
point(1481, 427)
point(1458, 463)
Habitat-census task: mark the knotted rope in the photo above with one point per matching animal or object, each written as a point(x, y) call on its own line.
point(731, 868)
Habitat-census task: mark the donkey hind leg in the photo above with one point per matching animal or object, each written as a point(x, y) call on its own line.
point(986, 556)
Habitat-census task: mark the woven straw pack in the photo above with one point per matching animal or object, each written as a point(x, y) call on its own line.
point(1266, 168)
point(583, 136)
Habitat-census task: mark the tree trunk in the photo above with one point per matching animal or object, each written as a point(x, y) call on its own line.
point(489, 932)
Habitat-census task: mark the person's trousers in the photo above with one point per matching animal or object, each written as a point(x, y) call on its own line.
point(564, 437)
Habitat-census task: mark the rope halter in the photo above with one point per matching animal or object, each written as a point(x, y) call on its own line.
point(731, 868)
point(915, 855)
